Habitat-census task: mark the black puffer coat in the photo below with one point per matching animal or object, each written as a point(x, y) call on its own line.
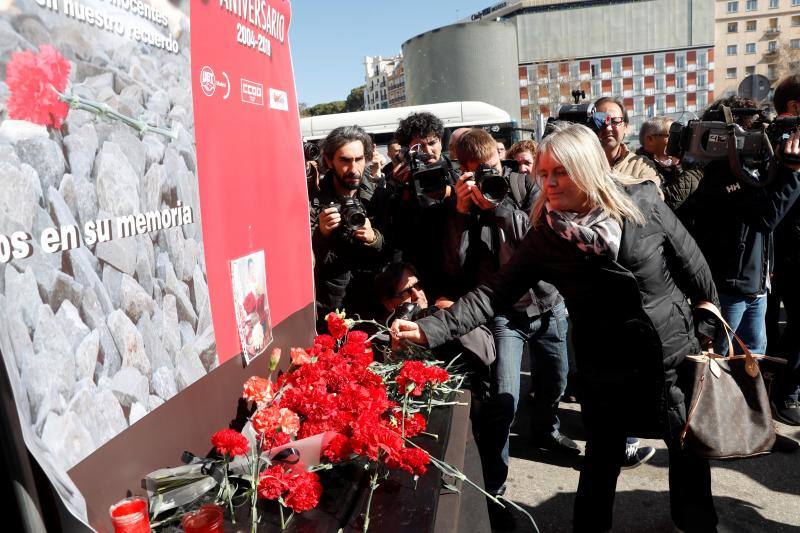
point(633, 325)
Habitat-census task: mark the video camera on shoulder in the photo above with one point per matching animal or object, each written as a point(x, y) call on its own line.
point(427, 178)
point(578, 113)
point(354, 216)
point(751, 152)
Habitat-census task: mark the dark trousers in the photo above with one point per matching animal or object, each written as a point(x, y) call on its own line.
point(787, 377)
point(691, 504)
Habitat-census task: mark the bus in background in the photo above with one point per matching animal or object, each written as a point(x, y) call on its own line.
point(382, 123)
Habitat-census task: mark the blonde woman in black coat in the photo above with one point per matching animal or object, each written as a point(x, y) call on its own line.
point(625, 266)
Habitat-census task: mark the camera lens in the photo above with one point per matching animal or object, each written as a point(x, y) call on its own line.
point(494, 188)
point(356, 220)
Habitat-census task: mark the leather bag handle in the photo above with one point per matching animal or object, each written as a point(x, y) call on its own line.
point(750, 365)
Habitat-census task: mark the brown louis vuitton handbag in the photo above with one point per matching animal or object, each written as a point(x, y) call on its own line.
point(729, 415)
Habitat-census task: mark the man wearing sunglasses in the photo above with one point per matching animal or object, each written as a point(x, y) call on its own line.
point(677, 182)
point(611, 121)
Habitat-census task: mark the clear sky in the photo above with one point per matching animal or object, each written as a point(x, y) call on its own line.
point(329, 38)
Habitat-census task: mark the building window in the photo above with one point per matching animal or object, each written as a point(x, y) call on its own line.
point(597, 90)
point(772, 72)
point(616, 67)
point(733, 27)
point(796, 20)
point(680, 61)
point(595, 69)
point(794, 44)
point(749, 71)
point(680, 81)
point(660, 104)
point(638, 65)
point(660, 83)
point(732, 49)
point(730, 73)
point(702, 99)
point(638, 85)
point(701, 80)
point(795, 2)
point(638, 106)
point(772, 46)
point(702, 59)
point(659, 62)
point(751, 25)
point(680, 101)
point(750, 48)
point(617, 87)
point(733, 7)
point(574, 71)
point(773, 4)
point(751, 5)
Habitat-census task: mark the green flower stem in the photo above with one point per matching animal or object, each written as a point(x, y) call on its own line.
point(405, 414)
point(280, 510)
point(254, 486)
point(228, 491)
point(104, 110)
point(373, 484)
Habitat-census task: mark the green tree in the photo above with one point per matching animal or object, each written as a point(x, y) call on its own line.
point(355, 100)
point(327, 108)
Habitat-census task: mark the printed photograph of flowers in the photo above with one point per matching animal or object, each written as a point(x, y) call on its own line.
point(249, 280)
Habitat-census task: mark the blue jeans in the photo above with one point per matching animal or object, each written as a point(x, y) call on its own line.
point(747, 317)
point(546, 336)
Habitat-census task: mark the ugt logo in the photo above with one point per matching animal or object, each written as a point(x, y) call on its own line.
point(207, 81)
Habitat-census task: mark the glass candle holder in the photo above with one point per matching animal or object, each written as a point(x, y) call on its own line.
point(207, 519)
point(130, 516)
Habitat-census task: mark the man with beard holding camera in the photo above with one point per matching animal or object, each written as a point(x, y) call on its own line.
point(418, 194)
point(490, 221)
point(734, 224)
point(347, 248)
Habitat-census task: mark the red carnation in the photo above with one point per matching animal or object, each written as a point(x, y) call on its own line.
point(338, 449)
point(413, 460)
point(325, 341)
point(31, 78)
point(304, 492)
point(414, 425)
point(357, 337)
point(266, 421)
point(336, 325)
point(249, 303)
point(230, 443)
point(271, 483)
point(416, 373)
point(299, 356)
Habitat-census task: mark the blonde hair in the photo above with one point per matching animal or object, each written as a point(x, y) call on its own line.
point(578, 149)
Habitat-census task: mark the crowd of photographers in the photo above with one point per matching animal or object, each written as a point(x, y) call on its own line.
point(405, 238)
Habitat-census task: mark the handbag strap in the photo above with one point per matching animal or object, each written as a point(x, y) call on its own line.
point(750, 365)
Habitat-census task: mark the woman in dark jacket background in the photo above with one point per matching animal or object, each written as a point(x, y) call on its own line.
point(625, 267)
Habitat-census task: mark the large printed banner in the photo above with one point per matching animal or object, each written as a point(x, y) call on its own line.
point(153, 219)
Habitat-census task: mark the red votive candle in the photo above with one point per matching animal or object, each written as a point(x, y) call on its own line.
point(207, 519)
point(130, 516)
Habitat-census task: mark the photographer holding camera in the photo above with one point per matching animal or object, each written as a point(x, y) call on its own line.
point(677, 182)
point(490, 221)
point(417, 196)
point(734, 220)
point(346, 246)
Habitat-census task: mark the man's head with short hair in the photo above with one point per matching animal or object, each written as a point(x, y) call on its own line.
point(612, 135)
point(477, 147)
point(786, 98)
point(423, 129)
point(393, 147)
point(346, 151)
point(451, 145)
point(501, 150)
point(653, 135)
point(524, 153)
point(399, 283)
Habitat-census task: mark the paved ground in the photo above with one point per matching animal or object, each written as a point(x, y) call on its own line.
point(753, 495)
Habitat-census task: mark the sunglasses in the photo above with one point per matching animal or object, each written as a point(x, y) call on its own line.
point(408, 291)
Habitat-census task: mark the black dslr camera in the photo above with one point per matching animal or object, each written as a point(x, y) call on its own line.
point(426, 177)
point(493, 185)
point(751, 152)
point(354, 216)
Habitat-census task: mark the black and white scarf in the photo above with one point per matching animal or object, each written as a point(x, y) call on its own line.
point(595, 232)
